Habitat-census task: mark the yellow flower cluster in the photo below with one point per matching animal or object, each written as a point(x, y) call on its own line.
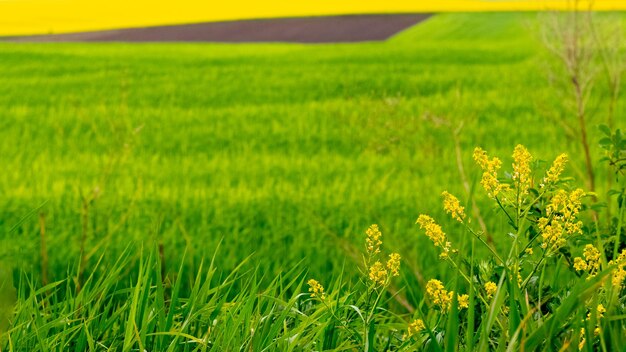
point(316, 289)
point(619, 274)
point(490, 169)
point(560, 218)
point(581, 344)
point(373, 240)
point(600, 309)
point(463, 301)
point(442, 298)
point(490, 289)
point(554, 172)
point(393, 264)
point(378, 274)
point(434, 232)
point(415, 327)
point(591, 262)
point(438, 294)
point(521, 169)
point(453, 207)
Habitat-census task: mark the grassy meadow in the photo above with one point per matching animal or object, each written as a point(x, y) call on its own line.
point(267, 161)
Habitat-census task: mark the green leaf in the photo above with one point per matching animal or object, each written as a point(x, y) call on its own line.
point(514, 316)
point(605, 142)
point(605, 129)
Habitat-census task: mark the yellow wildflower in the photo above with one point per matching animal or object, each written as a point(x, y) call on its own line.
point(601, 310)
point(415, 327)
point(316, 289)
point(591, 262)
point(373, 240)
point(378, 274)
point(490, 288)
point(393, 264)
point(619, 274)
point(438, 294)
point(600, 314)
point(434, 232)
point(552, 235)
point(463, 301)
point(553, 173)
point(521, 168)
point(581, 344)
point(529, 251)
point(453, 207)
point(560, 218)
point(490, 169)
point(580, 264)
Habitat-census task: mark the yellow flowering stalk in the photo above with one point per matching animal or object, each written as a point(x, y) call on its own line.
point(378, 274)
point(434, 232)
point(581, 343)
point(316, 289)
point(393, 264)
point(463, 301)
point(618, 277)
point(554, 172)
point(490, 169)
point(438, 294)
point(591, 261)
point(619, 274)
point(521, 169)
point(373, 240)
point(561, 218)
point(490, 289)
point(453, 207)
point(415, 327)
point(600, 310)
point(600, 314)
point(442, 298)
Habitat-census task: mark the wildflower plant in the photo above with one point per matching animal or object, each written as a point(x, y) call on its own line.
point(358, 313)
point(507, 282)
point(547, 281)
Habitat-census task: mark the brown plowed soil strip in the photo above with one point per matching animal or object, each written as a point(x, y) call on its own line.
point(335, 29)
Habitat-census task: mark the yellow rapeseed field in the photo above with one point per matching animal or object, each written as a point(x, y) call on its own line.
point(62, 16)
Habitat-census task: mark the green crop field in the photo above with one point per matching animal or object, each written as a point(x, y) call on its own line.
point(267, 161)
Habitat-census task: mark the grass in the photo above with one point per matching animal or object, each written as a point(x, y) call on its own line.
point(149, 157)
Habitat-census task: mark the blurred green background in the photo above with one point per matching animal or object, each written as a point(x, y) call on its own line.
point(284, 151)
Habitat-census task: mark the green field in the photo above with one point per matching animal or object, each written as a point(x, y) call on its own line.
point(282, 152)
